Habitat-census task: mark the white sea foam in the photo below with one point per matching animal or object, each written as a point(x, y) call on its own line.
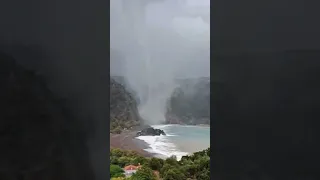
point(162, 145)
point(162, 126)
point(171, 135)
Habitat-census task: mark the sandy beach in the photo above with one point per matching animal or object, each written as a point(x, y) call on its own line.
point(126, 141)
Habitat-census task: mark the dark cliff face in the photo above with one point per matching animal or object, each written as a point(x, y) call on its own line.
point(123, 108)
point(36, 132)
point(123, 82)
point(265, 115)
point(190, 102)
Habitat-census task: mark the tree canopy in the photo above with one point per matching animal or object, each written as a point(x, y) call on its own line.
point(195, 166)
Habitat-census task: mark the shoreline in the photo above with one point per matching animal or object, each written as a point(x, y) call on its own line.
point(203, 125)
point(127, 141)
point(195, 125)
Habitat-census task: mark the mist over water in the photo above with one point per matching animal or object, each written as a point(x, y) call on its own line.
point(159, 41)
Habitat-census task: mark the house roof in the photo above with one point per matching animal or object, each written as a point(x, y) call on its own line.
point(131, 167)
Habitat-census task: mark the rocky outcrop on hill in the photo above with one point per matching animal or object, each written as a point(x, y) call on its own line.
point(123, 82)
point(151, 132)
point(123, 108)
point(190, 102)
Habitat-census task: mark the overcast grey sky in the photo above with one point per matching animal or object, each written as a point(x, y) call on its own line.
point(177, 32)
point(155, 41)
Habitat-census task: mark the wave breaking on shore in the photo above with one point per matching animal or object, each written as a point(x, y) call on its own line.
point(161, 145)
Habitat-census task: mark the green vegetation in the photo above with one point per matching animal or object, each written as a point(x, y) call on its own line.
point(144, 173)
point(116, 171)
point(192, 167)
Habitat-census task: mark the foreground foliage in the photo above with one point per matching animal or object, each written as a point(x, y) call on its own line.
point(116, 171)
point(192, 167)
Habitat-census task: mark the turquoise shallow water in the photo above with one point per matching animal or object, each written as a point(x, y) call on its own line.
point(190, 138)
point(180, 140)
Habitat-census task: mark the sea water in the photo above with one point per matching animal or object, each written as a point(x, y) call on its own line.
point(180, 140)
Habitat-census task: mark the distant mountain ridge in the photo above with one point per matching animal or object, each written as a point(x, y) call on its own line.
point(190, 102)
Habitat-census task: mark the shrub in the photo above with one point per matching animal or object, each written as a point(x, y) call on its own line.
point(117, 130)
point(116, 171)
point(123, 161)
point(174, 174)
point(172, 161)
point(155, 163)
point(144, 173)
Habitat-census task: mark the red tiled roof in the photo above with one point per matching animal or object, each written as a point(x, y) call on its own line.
point(131, 167)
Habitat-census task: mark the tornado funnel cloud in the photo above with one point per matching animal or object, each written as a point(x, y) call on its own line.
point(159, 41)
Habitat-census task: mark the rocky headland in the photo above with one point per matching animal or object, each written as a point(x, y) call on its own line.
point(190, 102)
point(124, 113)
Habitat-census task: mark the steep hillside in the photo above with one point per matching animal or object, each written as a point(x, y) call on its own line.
point(123, 82)
point(123, 108)
point(190, 102)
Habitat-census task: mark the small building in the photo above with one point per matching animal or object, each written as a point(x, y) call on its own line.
point(130, 169)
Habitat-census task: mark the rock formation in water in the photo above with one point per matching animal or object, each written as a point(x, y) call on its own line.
point(190, 102)
point(151, 132)
point(123, 108)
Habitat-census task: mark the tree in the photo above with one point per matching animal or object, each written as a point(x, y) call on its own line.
point(203, 175)
point(123, 161)
point(114, 160)
point(208, 152)
point(117, 130)
point(116, 152)
point(195, 166)
point(116, 171)
point(144, 173)
point(131, 153)
point(172, 161)
point(139, 160)
point(204, 162)
point(184, 158)
point(174, 174)
point(190, 170)
point(166, 167)
point(155, 163)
